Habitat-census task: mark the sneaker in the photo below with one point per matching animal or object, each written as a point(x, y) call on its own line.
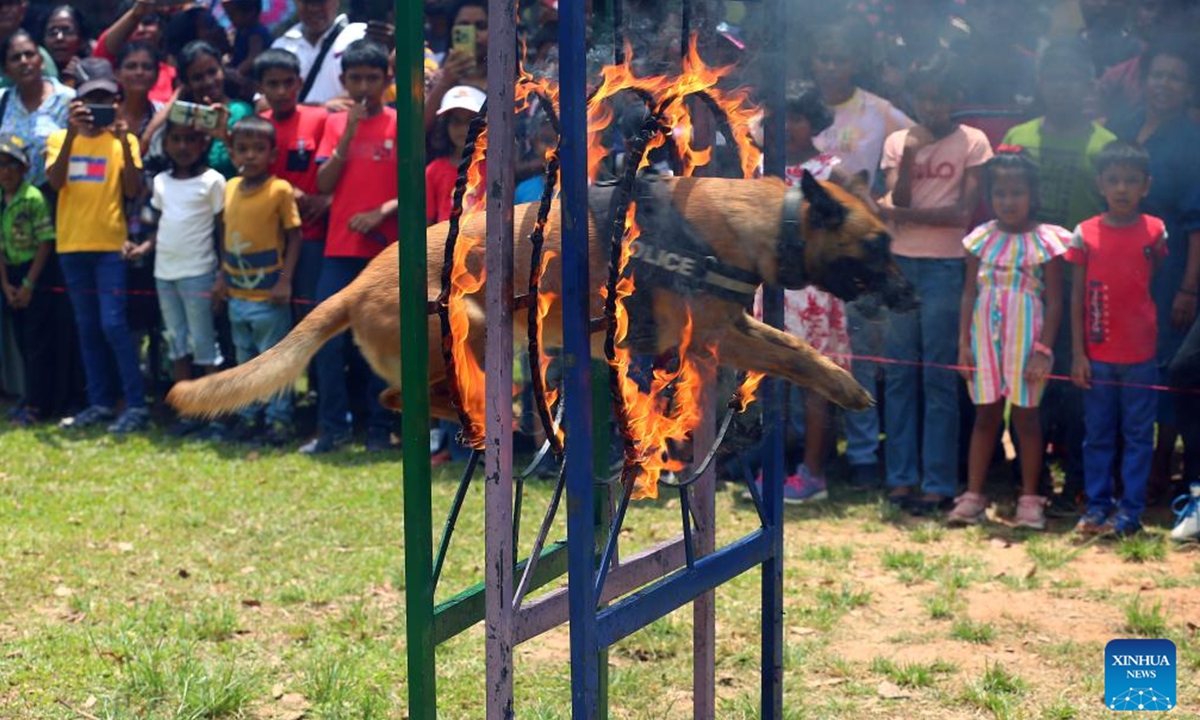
point(1187, 515)
point(864, 477)
point(92, 415)
point(132, 420)
point(441, 457)
point(1125, 525)
point(277, 434)
point(1031, 512)
point(184, 427)
point(804, 487)
point(324, 444)
point(1094, 523)
point(246, 432)
point(969, 509)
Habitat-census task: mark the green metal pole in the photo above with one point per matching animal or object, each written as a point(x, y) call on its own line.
point(414, 372)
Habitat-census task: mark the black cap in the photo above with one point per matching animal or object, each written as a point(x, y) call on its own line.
point(95, 73)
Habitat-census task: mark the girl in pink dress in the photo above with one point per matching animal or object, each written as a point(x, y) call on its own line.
point(1011, 309)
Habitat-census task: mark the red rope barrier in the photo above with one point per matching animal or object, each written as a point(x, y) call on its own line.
point(862, 358)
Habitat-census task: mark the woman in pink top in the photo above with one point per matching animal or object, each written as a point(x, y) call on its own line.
point(933, 179)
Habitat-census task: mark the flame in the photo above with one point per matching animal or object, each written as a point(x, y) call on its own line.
point(745, 394)
point(469, 374)
point(544, 301)
point(671, 408)
point(656, 417)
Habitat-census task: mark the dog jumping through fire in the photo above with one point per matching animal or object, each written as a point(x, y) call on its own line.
point(739, 234)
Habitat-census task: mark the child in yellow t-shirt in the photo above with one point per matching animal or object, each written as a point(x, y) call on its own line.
point(95, 166)
point(262, 245)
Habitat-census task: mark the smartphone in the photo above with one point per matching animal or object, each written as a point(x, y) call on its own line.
point(199, 116)
point(462, 38)
point(102, 115)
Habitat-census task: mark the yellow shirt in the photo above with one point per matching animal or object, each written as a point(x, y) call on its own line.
point(91, 205)
point(255, 222)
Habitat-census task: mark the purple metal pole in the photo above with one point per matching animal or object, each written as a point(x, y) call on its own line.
point(498, 360)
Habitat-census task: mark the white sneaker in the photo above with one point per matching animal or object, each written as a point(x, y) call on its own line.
point(1187, 514)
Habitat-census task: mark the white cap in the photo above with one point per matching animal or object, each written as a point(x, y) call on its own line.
point(465, 97)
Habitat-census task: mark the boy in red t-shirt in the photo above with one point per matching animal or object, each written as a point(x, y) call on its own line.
point(357, 159)
point(298, 131)
point(1114, 334)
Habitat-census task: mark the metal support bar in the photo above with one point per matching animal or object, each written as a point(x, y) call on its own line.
point(672, 592)
point(460, 495)
point(500, 521)
point(551, 610)
point(414, 371)
point(585, 676)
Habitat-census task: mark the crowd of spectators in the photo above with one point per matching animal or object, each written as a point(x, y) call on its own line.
point(181, 188)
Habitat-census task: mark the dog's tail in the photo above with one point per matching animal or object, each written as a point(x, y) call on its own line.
point(269, 374)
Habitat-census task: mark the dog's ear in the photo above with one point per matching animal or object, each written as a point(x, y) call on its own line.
point(824, 211)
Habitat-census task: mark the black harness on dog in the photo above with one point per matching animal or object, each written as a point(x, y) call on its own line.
point(670, 253)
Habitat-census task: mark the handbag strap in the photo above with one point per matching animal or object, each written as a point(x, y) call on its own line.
point(330, 39)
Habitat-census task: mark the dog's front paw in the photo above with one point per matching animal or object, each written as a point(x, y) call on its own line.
point(846, 392)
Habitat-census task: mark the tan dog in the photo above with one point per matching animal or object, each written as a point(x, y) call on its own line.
point(845, 252)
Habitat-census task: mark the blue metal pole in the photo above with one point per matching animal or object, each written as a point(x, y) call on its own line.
point(773, 389)
point(576, 301)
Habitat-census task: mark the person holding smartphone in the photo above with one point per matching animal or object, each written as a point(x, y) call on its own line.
point(466, 63)
point(95, 165)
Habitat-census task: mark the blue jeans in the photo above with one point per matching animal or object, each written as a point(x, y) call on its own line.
point(1107, 409)
point(862, 427)
point(308, 272)
point(338, 356)
point(256, 327)
point(96, 286)
point(188, 327)
point(924, 454)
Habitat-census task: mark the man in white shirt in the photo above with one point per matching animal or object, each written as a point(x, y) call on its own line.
point(319, 19)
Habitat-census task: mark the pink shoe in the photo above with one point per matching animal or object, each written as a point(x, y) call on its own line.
point(969, 509)
point(1031, 512)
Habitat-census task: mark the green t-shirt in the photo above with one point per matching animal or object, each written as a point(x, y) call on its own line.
point(1067, 174)
point(218, 155)
point(24, 224)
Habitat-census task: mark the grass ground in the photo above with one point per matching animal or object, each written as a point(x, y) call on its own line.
point(156, 579)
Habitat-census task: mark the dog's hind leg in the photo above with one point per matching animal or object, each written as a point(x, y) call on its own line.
point(752, 345)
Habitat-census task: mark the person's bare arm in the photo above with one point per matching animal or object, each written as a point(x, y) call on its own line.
point(1040, 365)
point(1183, 308)
point(331, 171)
point(281, 293)
point(118, 33)
point(131, 174)
point(900, 181)
point(957, 215)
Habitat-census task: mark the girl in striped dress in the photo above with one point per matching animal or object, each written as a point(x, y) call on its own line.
point(1011, 309)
